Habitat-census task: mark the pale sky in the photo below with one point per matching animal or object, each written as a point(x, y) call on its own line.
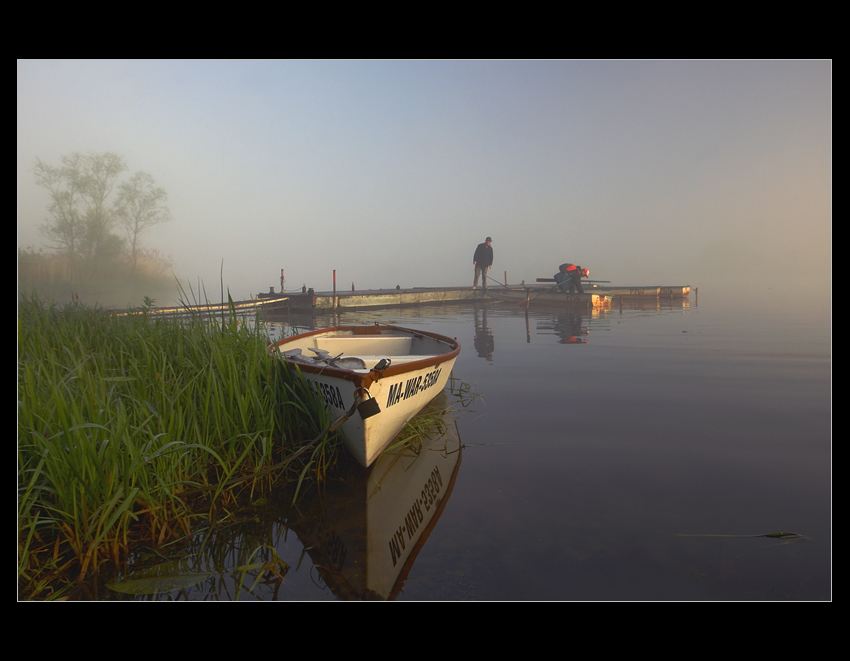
point(708, 173)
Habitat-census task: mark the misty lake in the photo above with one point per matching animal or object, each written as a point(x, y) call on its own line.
point(637, 453)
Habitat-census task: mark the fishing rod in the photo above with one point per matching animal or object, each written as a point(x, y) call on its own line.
point(589, 282)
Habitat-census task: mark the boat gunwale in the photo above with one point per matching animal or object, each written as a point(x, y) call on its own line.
point(359, 378)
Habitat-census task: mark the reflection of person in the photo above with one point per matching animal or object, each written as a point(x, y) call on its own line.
point(485, 344)
point(569, 326)
point(569, 277)
point(483, 261)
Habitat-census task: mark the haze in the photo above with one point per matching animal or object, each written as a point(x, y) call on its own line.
point(716, 174)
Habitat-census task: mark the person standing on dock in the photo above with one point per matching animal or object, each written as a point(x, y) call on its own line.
point(569, 277)
point(483, 262)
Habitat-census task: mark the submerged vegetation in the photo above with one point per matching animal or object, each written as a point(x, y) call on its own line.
point(130, 428)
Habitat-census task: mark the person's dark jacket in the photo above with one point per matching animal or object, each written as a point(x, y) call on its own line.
point(483, 256)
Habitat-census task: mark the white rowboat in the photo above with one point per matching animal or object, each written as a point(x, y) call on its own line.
point(388, 374)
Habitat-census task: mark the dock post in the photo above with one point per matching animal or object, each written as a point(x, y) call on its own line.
point(334, 290)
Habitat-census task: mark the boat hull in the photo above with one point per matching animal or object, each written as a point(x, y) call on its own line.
point(420, 366)
point(674, 291)
point(546, 295)
point(654, 291)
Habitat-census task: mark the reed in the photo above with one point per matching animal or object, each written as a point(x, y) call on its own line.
point(131, 426)
point(431, 422)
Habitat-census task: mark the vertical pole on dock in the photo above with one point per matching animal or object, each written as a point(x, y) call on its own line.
point(506, 278)
point(281, 281)
point(333, 311)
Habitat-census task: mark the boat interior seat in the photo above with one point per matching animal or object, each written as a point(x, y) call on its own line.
point(354, 345)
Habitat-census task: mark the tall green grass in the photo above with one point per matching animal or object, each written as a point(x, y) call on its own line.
point(129, 426)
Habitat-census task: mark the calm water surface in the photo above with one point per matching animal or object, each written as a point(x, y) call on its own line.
point(633, 454)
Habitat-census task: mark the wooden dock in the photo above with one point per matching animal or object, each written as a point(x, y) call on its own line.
point(326, 301)
point(329, 301)
point(214, 309)
point(385, 298)
point(368, 298)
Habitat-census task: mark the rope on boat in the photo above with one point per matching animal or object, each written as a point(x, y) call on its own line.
point(498, 282)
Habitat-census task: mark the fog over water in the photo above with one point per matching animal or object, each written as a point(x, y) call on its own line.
point(584, 463)
point(716, 174)
point(645, 463)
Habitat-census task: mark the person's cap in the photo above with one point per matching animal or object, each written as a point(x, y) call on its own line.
point(488, 239)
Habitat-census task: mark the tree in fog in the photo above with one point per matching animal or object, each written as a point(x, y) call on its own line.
point(140, 206)
point(91, 211)
point(81, 219)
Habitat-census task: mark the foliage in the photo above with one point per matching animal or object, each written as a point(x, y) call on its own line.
point(140, 206)
point(87, 203)
point(81, 220)
point(130, 427)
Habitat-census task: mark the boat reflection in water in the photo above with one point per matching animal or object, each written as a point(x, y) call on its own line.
point(362, 531)
point(659, 304)
point(363, 534)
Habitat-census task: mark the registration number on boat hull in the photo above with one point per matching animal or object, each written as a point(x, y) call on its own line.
point(413, 386)
point(330, 393)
